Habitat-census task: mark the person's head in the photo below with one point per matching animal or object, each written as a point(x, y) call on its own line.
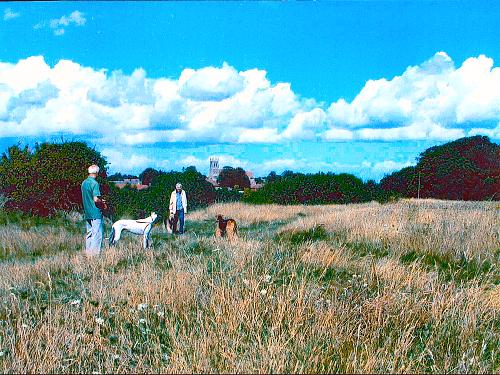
point(178, 187)
point(93, 170)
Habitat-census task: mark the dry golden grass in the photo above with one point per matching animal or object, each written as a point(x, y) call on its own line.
point(404, 287)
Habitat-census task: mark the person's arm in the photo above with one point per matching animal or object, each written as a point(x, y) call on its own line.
point(171, 204)
point(184, 197)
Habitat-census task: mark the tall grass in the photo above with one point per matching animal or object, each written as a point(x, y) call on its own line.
point(405, 287)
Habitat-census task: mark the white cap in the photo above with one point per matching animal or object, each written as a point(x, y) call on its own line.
point(178, 185)
point(94, 169)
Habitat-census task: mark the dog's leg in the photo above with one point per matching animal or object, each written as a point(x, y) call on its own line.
point(112, 237)
point(145, 240)
point(116, 234)
point(218, 232)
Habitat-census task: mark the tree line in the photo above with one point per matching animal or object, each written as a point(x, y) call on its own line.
point(47, 179)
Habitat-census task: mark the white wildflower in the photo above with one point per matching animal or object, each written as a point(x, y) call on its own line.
point(365, 285)
point(142, 321)
point(99, 321)
point(24, 325)
point(263, 292)
point(75, 302)
point(267, 278)
point(165, 356)
point(160, 314)
point(2, 353)
point(116, 357)
point(246, 282)
point(142, 306)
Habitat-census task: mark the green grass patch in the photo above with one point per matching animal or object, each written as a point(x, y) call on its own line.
point(205, 228)
point(26, 221)
point(451, 269)
point(261, 229)
point(199, 247)
point(317, 233)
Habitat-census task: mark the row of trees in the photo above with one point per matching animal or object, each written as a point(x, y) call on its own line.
point(48, 178)
point(318, 188)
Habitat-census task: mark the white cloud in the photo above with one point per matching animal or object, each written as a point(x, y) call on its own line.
point(387, 166)
point(492, 133)
point(9, 14)
point(129, 162)
point(58, 25)
point(210, 83)
point(133, 109)
point(304, 125)
point(222, 105)
point(338, 134)
point(261, 135)
point(433, 100)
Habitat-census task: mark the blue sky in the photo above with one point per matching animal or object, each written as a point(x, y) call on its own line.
point(360, 87)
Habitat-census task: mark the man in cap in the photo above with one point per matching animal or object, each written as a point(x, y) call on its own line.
point(178, 206)
point(91, 197)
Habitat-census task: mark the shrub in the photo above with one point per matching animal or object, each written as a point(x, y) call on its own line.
point(48, 178)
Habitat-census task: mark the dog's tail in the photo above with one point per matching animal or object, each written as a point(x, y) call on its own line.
point(112, 237)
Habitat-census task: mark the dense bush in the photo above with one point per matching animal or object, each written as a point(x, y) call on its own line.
point(465, 169)
point(148, 175)
point(48, 178)
point(319, 188)
point(234, 178)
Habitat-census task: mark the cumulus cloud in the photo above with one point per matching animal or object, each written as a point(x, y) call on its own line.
point(130, 162)
point(59, 25)
point(492, 133)
point(209, 104)
point(9, 14)
point(210, 83)
point(433, 100)
point(304, 125)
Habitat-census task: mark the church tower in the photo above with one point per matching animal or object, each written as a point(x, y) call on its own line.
point(214, 169)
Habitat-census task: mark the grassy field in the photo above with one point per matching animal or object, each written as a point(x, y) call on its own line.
point(411, 286)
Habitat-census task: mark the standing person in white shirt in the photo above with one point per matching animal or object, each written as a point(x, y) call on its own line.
point(178, 207)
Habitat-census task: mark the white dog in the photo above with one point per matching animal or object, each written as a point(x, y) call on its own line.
point(142, 227)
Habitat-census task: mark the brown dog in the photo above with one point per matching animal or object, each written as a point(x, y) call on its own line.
point(226, 228)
